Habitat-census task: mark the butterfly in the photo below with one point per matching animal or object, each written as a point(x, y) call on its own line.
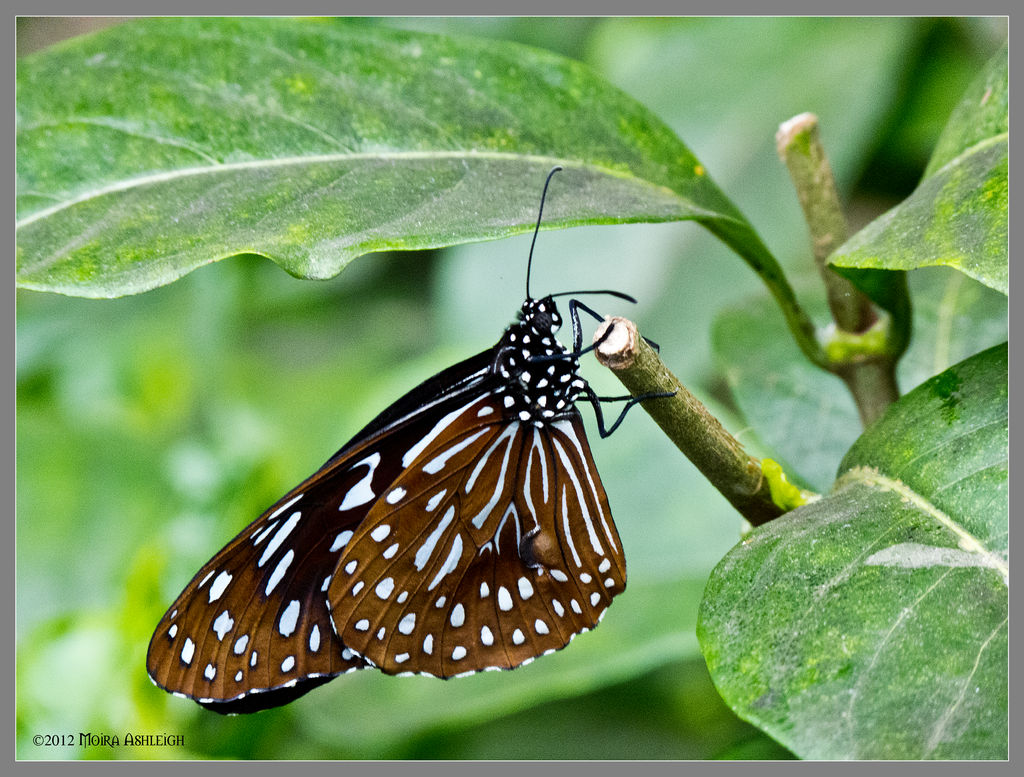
point(464, 529)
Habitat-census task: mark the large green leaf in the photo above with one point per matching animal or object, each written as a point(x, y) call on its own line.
point(958, 215)
point(873, 623)
point(803, 415)
point(155, 147)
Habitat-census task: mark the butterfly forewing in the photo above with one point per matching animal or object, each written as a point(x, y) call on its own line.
point(480, 560)
point(254, 619)
point(252, 629)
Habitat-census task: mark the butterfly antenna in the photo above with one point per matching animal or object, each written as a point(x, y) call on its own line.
point(610, 292)
point(540, 212)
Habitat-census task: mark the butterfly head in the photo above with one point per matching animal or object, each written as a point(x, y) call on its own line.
point(540, 315)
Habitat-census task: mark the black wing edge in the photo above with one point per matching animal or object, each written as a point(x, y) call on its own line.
point(257, 701)
point(447, 384)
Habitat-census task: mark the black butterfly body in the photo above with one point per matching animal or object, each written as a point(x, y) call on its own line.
point(463, 529)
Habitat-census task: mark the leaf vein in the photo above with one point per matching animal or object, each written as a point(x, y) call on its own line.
point(966, 540)
point(940, 726)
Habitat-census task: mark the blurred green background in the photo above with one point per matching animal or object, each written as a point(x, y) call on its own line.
point(152, 428)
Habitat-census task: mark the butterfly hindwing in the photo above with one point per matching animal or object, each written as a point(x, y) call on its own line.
point(477, 558)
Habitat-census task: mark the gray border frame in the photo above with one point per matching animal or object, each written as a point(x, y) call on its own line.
point(456, 8)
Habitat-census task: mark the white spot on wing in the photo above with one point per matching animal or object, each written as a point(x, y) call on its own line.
point(507, 436)
point(278, 538)
point(437, 463)
point(279, 570)
point(289, 618)
point(435, 500)
point(263, 534)
point(458, 616)
point(566, 428)
point(188, 650)
point(504, 598)
point(219, 585)
point(361, 492)
point(314, 638)
point(450, 563)
point(407, 624)
point(413, 453)
point(595, 543)
point(568, 531)
point(341, 540)
point(426, 550)
point(385, 588)
point(223, 625)
point(525, 589)
point(284, 507)
point(509, 432)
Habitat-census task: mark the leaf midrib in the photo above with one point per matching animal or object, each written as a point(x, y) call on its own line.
point(262, 164)
point(873, 478)
point(977, 148)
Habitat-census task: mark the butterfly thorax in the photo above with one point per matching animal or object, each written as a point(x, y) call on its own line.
point(538, 375)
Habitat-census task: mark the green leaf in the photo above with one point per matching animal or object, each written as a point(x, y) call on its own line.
point(873, 623)
point(803, 415)
point(982, 114)
point(158, 146)
point(958, 215)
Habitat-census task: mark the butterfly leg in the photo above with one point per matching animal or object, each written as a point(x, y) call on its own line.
point(577, 330)
point(596, 401)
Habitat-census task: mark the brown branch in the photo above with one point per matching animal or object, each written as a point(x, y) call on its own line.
point(697, 433)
